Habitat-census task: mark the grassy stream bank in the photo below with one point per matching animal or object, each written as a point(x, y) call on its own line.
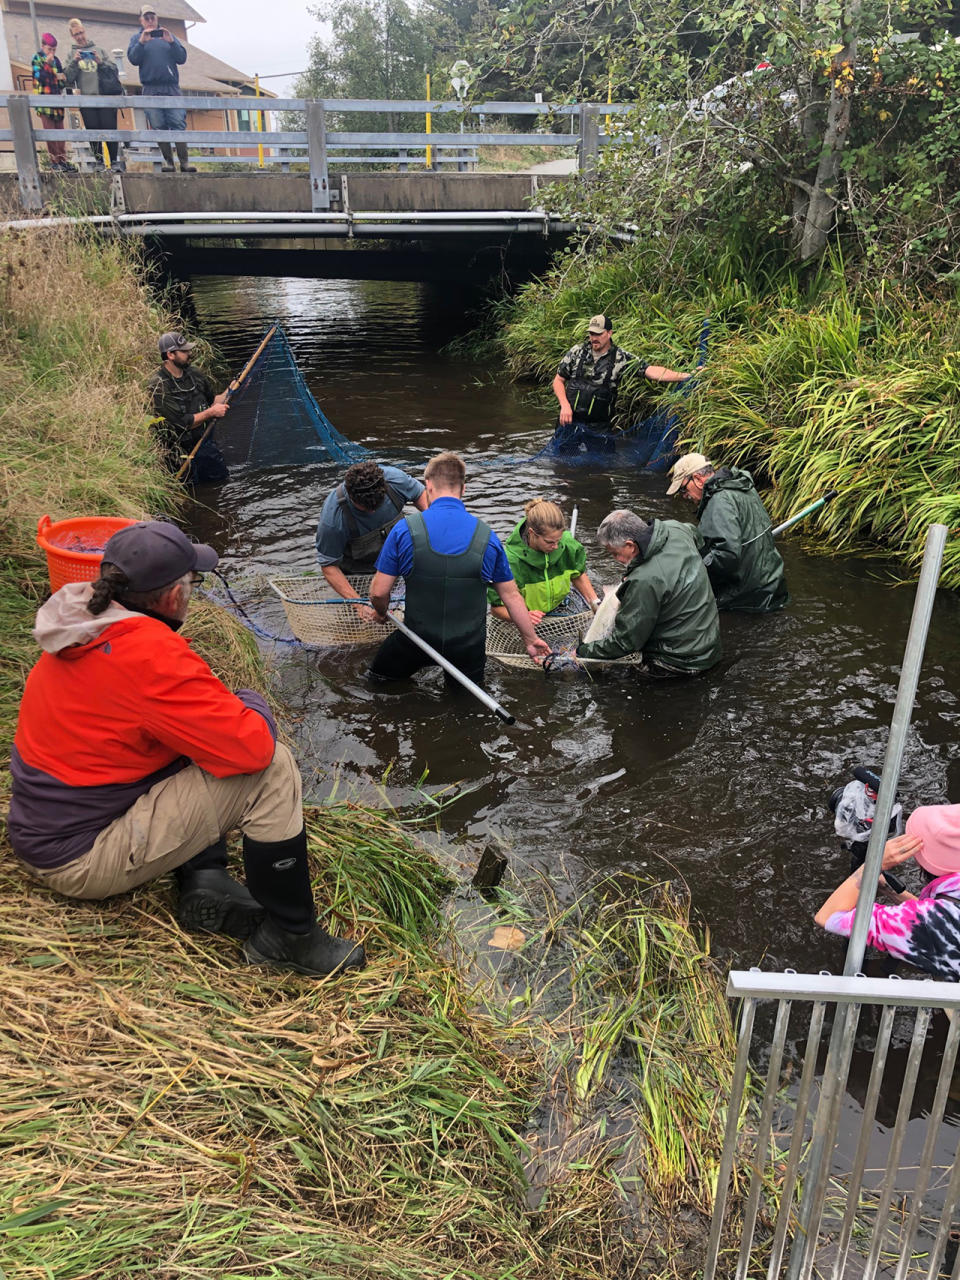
point(814, 382)
point(551, 1106)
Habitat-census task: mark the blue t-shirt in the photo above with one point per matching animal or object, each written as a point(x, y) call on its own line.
point(332, 531)
point(451, 527)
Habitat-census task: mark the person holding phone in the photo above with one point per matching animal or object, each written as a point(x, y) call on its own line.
point(157, 53)
point(82, 75)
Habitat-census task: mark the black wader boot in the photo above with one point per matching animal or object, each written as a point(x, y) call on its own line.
point(211, 901)
point(166, 150)
point(290, 938)
point(183, 155)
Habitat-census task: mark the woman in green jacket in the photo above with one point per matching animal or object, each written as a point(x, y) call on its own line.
point(547, 561)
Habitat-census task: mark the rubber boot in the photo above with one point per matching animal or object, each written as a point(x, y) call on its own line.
point(166, 150)
point(211, 901)
point(290, 938)
point(183, 155)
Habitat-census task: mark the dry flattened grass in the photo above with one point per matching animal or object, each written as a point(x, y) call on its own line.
point(185, 1115)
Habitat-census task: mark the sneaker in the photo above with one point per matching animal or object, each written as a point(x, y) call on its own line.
point(211, 901)
point(315, 953)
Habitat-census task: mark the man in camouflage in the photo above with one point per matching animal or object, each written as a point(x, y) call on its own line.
point(587, 380)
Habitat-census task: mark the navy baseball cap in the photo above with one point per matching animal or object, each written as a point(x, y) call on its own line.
point(154, 554)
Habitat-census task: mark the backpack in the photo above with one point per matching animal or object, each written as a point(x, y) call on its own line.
point(108, 79)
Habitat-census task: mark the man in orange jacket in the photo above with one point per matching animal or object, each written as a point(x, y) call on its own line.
point(132, 759)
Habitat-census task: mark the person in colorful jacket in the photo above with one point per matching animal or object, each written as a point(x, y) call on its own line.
point(49, 77)
point(547, 562)
point(923, 931)
point(741, 557)
point(666, 608)
point(131, 759)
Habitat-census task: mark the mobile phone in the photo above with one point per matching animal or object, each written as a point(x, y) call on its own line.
point(157, 31)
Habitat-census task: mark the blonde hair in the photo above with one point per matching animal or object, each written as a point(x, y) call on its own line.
point(543, 516)
point(447, 471)
point(75, 25)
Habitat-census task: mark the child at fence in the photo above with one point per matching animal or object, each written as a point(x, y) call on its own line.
point(923, 931)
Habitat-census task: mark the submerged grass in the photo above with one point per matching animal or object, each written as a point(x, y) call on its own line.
point(169, 1112)
point(814, 382)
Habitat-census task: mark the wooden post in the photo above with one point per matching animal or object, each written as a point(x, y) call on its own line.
point(25, 152)
point(317, 148)
point(589, 147)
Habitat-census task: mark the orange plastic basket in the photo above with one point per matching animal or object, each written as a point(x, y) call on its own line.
point(75, 547)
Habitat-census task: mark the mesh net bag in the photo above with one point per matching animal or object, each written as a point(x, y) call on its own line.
point(562, 634)
point(316, 616)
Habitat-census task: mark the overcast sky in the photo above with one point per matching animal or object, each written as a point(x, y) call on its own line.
point(271, 40)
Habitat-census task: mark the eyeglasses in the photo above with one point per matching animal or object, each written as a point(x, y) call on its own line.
point(196, 579)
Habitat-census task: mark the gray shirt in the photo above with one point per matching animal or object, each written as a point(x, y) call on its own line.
point(332, 531)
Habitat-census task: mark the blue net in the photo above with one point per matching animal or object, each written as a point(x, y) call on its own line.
point(275, 421)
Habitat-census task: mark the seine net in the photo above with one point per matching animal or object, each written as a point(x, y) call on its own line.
point(275, 421)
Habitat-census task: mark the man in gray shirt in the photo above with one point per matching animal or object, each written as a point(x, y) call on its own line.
point(355, 521)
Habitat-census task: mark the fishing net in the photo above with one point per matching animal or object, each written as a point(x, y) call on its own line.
point(275, 421)
point(562, 634)
point(317, 616)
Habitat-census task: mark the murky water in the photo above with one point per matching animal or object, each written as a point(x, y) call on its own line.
point(720, 780)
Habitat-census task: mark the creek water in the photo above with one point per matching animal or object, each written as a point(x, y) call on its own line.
point(721, 781)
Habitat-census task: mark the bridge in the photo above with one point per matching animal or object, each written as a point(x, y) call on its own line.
point(290, 183)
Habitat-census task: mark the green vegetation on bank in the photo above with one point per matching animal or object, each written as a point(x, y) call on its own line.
point(812, 381)
point(168, 1112)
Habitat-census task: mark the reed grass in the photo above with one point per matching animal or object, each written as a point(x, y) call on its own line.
point(814, 381)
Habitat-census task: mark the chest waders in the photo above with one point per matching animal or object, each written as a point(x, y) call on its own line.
point(189, 393)
point(446, 601)
point(362, 549)
point(592, 400)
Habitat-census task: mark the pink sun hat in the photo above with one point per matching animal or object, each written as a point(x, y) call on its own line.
point(938, 826)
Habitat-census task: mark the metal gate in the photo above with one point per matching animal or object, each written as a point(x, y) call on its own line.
point(812, 1206)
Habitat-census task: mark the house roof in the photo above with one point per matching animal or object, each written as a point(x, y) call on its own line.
point(201, 72)
point(126, 9)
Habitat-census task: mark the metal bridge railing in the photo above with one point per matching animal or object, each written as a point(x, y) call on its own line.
point(863, 1219)
point(316, 139)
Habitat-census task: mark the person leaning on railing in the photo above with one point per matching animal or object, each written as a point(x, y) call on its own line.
point(49, 77)
point(923, 931)
point(157, 53)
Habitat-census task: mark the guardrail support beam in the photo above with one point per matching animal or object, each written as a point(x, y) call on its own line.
point(25, 152)
point(588, 150)
point(317, 150)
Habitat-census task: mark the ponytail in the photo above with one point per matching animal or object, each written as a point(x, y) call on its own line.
point(111, 583)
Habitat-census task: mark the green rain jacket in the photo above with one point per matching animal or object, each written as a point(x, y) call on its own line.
point(667, 610)
point(740, 555)
point(543, 578)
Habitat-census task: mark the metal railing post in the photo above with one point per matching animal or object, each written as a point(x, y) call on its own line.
point(844, 1029)
point(588, 150)
point(317, 150)
point(25, 152)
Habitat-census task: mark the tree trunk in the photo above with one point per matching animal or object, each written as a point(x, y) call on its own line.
point(820, 216)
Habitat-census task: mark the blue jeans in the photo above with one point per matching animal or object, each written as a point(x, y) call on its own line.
point(166, 117)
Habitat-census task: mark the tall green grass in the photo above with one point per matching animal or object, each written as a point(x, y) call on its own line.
point(813, 381)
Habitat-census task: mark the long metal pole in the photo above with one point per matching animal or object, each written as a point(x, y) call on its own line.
point(808, 510)
point(573, 523)
point(36, 29)
point(844, 1029)
point(896, 743)
point(480, 694)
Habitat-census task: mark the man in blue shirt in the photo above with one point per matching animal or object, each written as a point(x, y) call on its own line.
point(448, 558)
point(158, 53)
point(356, 519)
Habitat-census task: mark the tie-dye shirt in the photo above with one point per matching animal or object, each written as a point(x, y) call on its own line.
point(924, 932)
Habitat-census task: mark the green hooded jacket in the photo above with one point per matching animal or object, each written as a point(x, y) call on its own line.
point(741, 557)
point(543, 578)
point(667, 610)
